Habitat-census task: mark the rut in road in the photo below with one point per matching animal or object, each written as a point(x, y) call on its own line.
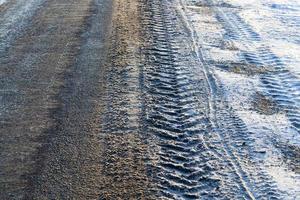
point(278, 83)
point(199, 156)
point(237, 140)
point(126, 109)
point(124, 168)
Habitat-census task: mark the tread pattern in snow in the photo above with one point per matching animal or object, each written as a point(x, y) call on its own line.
point(193, 161)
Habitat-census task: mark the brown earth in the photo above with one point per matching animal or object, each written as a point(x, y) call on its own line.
point(52, 144)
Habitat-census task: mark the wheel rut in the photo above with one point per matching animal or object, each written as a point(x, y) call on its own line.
point(278, 83)
point(127, 105)
point(236, 138)
point(196, 158)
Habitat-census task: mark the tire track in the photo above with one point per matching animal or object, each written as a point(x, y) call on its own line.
point(172, 115)
point(125, 173)
point(196, 158)
point(137, 115)
point(234, 135)
point(279, 83)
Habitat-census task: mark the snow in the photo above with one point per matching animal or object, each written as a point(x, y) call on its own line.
point(277, 22)
point(2, 1)
point(239, 90)
point(265, 128)
point(286, 180)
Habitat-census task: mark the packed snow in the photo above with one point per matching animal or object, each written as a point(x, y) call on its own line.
point(268, 33)
point(278, 23)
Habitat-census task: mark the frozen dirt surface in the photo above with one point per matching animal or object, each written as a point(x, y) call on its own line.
point(149, 99)
point(251, 50)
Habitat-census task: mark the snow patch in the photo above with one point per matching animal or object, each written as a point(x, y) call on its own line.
point(277, 22)
point(286, 181)
point(239, 91)
point(266, 129)
point(2, 1)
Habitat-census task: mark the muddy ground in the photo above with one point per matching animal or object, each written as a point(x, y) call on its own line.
point(103, 99)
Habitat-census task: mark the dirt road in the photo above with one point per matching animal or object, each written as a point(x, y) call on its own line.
point(103, 99)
